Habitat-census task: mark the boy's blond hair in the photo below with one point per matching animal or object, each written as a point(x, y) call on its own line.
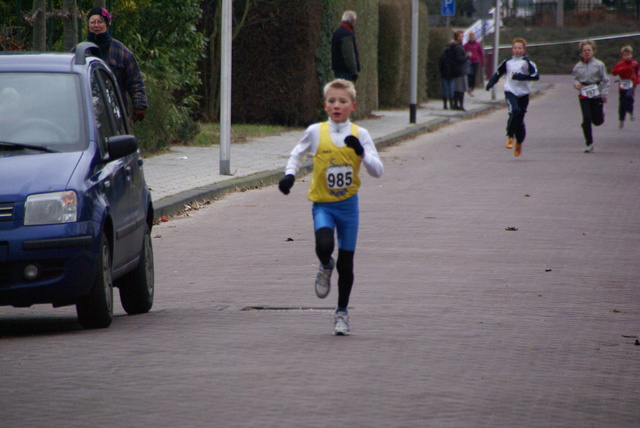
point(626, 49)
point(341, 84)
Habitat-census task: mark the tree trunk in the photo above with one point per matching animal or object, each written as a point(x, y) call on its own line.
point(39, 25)
point(70, 38)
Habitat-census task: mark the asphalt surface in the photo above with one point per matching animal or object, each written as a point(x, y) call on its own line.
point(490, 291)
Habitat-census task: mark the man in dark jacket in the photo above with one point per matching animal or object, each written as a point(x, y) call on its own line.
point(345, 61)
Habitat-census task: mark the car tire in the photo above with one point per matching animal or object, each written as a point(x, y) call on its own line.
point(95, 310)
point(137, 287)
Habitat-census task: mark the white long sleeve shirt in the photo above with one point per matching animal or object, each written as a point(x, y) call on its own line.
point(339, 131)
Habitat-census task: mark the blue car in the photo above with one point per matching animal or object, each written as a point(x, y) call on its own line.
point(75, 211)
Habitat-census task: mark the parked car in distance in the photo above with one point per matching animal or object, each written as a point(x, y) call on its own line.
point(75, 211)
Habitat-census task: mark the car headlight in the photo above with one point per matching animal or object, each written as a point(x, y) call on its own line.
point(51, 208)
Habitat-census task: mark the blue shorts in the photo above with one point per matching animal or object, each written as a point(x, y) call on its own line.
point(343, 216)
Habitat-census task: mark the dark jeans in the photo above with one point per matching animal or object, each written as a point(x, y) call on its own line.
point(473, 71)
point(517, 107)
point(626, 103)
point(592, 113)
point(447, 89)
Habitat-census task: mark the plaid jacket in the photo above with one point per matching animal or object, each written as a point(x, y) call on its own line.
point(125, 66)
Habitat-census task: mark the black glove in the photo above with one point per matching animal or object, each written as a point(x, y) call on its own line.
point(286, 184)
point(354, 143)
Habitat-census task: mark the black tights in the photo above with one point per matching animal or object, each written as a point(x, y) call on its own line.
point(325, 244)
point(592, 112)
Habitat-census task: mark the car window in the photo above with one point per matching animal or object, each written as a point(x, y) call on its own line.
point(42, 109)
point(101, 109)
point(109, 113)
point(114, 103)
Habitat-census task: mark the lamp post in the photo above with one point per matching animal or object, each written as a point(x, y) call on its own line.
point(225, 89)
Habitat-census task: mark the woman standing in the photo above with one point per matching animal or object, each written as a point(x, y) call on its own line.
point(460, 70)
point(120, 59)
point(590, 78)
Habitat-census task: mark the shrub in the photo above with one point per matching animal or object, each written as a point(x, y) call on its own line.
point(394, 52)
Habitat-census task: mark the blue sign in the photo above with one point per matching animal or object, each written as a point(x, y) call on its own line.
point(448, 7)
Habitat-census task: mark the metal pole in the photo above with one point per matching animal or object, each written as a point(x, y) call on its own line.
point(414, 63)
point(496, 43)
point(225, 89)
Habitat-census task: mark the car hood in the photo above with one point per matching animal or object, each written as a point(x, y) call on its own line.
point(21, 176)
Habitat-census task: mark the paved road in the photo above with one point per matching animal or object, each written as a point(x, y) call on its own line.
point(456, 320)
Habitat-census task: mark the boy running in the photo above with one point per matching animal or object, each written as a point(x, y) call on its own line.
point(591, 80)
point(627, 70)
point(338, 148)
point(520, 72)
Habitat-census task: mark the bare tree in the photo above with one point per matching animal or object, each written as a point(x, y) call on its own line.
point(212, 11)
point(39, 21)
point(70, 37)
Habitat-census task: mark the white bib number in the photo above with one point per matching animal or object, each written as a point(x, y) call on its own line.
point(590, 91)
point(626, 84)
point(339, 177)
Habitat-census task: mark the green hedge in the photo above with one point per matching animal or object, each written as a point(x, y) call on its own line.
point(274, 68)
point(394, 52)
point(367, 36)
point(280, 64)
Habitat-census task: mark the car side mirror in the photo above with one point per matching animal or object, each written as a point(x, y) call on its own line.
point(120, 146)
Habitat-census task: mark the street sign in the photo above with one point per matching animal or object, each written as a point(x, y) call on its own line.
point(448, 7)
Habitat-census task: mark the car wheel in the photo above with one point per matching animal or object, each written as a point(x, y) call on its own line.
point(95, 310)
point(137, 287)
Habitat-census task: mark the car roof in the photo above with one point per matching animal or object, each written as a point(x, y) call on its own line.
point(51, 62)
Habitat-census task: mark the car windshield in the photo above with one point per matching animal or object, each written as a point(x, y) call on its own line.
point(41, 110)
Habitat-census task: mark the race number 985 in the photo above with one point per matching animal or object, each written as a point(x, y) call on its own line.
point(339, 177)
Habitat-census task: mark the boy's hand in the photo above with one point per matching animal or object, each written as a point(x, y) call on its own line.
point(286, 184)
point(354, 143)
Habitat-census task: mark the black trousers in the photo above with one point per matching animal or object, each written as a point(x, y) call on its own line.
point(517, 108)
point(626, 103)
point(592, 113)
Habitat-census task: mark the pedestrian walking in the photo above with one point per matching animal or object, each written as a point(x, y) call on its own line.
point(591, 80)
point(345, 60)
point(121, 61)
point(627, 71)
point(520, 71)
point(338, 147)
point(476, 60)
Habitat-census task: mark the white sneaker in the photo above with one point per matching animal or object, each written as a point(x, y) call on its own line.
point(323, 280)
point(589, 149)
point(341, 323)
